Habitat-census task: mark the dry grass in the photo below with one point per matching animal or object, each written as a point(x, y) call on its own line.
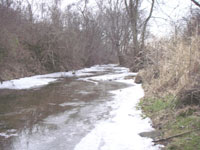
point(176, 66)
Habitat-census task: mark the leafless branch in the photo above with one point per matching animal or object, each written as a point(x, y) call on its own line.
point(196, 3)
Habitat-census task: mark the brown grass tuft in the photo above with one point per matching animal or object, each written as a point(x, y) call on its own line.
point(176, 69)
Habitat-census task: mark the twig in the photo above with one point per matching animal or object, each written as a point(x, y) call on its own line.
point(177, 135)
point(196, 3)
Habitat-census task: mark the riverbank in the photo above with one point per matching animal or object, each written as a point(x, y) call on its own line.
point(172, 91)
point(178, 127)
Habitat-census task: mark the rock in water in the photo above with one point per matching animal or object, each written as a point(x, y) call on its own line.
point(1, 80)
point(152, 134)
point(138, 79)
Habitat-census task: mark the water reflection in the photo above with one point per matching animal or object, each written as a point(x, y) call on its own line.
point(63, 108)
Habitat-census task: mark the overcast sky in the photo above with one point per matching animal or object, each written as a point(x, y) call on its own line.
point(166, 13)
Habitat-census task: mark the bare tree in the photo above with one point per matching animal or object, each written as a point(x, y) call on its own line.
point(145, 25)
point(196, 3)
point(6, 3)
point(30, 11)
point(134, 14)
point(115, 25)
point(133, 11)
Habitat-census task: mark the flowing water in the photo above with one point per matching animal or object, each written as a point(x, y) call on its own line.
point(61, 115)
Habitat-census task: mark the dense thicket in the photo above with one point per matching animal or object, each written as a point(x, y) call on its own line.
point(55, 41)
point(41, 37)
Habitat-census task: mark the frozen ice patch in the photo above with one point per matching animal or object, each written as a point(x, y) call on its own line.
point(121, 131)
point(42, 80)
point(72, 104)
point(88, 80)
point(61, 118)
point(39, 80)
point(26, 83)
point(110, 77)
point(9, 133)
point(84, 92)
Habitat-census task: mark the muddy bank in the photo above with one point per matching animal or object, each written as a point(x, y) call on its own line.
point(177, 128)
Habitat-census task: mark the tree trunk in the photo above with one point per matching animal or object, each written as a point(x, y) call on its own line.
point(132, 10)
point(145, 25)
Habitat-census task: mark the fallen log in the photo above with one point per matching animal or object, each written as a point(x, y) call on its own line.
point(174, 136)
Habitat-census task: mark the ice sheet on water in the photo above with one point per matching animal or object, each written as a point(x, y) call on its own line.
point(108, 77)
point(121, 132)
point(72, 104)
point(26, 83)
point(118, 73)
point(84, 92)
point(88, 80)
point(40, 80)
point(61, 118)
point(9, 133)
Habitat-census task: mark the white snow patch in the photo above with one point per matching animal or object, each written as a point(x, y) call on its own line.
point(121, 132)
point(42, 80)
point(84, 92)
point(108, 77)
point(9, 133)
point(72, 104)
point(39, 80)
point(26, 83)
point(111, 77)
point(88, 80)
point(60, 119)
point(98, 68)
